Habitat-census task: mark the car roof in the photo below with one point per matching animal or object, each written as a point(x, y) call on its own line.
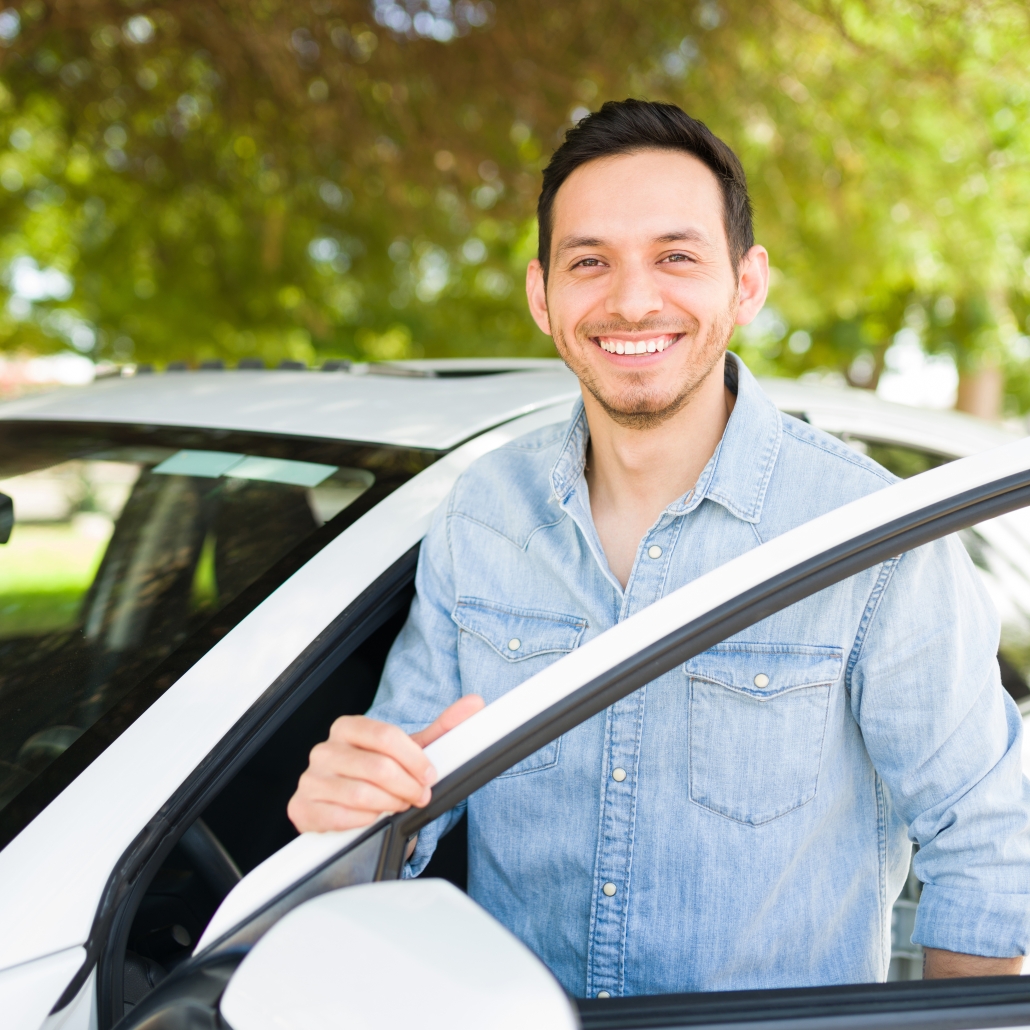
point(846, 411)
point(438, 403)
point(413, 404)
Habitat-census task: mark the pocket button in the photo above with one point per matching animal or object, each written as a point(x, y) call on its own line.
point(514, 644)
point(761, 681)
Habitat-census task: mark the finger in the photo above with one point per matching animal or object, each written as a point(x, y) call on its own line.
point(320, 817)
point(355, 794)
point(375, 768)
point(387, 739)
point(450, 717)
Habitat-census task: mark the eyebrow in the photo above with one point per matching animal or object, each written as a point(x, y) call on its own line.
point(574, 242)
point(685, 236)
point(676, 236)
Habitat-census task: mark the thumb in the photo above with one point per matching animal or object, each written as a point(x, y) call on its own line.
point(449, 718)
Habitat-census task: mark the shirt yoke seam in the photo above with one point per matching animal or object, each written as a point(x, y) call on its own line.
point(817, 445)
point(504, 536)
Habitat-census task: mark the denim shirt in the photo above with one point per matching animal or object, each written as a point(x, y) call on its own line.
point(744, 821)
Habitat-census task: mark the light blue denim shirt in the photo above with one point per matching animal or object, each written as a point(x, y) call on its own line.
point(714, 831)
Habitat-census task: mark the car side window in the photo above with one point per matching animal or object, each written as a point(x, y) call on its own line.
point(125, 545)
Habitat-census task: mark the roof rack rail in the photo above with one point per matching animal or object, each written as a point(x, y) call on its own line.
point(246, 363)
point(380, 369)
point(212, 365)
point(292, 366)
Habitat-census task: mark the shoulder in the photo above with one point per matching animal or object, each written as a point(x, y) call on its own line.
point(815, 473)
point(509, 489)
point(805, 441)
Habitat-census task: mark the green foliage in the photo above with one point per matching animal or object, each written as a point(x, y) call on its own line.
point(255, 177)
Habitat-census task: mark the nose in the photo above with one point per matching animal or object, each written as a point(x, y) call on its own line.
point(634, 295)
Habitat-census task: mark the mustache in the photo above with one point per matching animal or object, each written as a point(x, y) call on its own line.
point(684, 327)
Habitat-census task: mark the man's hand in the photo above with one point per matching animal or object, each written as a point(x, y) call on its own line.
point(938, 964)
point(366, 768)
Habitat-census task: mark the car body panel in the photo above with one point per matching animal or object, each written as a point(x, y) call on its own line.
point(53, 873)
point(28, 991)
point(860, 413)
point(437, 413)
point(394, 955)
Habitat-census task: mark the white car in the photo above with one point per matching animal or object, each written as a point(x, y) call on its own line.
point(206, 568)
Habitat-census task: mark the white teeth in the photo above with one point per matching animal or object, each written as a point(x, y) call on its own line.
point(652, 346)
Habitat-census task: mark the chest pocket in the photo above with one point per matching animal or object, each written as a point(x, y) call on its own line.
point(757, 720)
point(500, 646)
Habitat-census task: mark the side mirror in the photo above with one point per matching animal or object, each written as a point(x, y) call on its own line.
point(6, 518)
point(396, 955)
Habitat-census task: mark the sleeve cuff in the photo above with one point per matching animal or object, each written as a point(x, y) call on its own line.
point(428, 837)
point(973, 922)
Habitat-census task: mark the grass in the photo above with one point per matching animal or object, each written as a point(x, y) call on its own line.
point(44, 572)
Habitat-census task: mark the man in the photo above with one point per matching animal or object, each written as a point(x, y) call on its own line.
point(745, 820)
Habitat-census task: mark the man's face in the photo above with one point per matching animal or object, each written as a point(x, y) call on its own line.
point(641, 297)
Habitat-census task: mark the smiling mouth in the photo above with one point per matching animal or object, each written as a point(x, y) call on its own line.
point(653, 345)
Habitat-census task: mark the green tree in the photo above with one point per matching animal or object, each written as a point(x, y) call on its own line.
point(337, 178)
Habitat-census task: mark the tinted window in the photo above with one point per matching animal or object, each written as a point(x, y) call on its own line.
point(131, 546)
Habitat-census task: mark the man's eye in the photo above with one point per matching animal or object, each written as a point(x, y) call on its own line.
point(588, 263)
point(678, 257)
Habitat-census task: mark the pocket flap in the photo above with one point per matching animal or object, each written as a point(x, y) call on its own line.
point(518, 633)
point(765, 670)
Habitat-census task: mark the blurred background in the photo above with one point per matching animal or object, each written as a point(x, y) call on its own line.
point(321, 179)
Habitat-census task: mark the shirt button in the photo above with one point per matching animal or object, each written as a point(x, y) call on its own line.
point(654, 551)
point(609, 889)
point(618, 775)
point(603, 994)
point(761, 680)
point(514, 644)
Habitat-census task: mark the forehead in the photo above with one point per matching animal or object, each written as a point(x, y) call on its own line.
point(644, 193)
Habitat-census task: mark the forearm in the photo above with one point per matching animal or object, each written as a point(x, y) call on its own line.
point(939, 964)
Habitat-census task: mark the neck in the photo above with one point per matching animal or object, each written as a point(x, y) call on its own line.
point(634, 474)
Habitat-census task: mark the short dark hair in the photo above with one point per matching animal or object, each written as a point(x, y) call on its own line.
point(626, 126)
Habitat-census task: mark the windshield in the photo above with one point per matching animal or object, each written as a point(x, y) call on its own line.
point(126, 544)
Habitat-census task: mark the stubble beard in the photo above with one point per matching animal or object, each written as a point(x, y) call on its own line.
point(644, 406)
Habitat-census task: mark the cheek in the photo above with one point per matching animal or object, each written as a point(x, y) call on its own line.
point(571, 309)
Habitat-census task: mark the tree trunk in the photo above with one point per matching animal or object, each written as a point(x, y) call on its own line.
point(980, 393)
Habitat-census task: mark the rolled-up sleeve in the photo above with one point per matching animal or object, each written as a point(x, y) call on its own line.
point(421, 675)
point(946, 740)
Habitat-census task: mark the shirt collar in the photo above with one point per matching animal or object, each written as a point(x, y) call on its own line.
point(736, 476)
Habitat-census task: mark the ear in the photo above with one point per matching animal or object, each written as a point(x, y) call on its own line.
point(753, 286)
point(536, 294)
